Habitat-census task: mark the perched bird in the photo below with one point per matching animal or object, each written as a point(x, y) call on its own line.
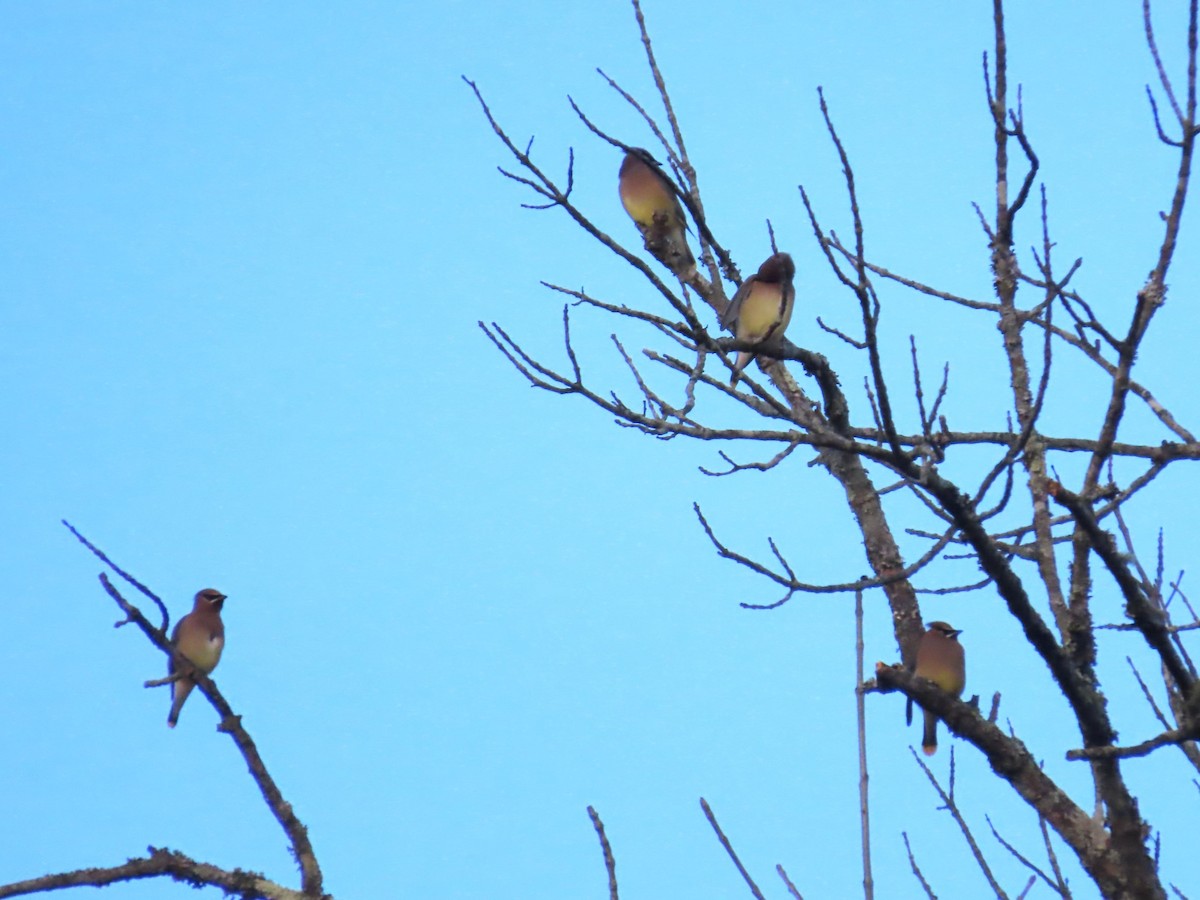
point(650, 198)
point(200, 636)
point(940, 659)
point(762, 306)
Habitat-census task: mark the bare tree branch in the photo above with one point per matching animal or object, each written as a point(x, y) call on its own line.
point(610, 864)
point(712, 820)
point(161, 863)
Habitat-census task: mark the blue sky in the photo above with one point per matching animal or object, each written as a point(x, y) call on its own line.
point(245, 251)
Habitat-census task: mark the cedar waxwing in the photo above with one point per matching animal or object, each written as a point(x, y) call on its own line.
point(940, 659)
point(762, 306)
point(200, 636)
point(649, 197)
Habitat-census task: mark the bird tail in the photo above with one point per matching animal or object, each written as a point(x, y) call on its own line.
point(743, 360)
point(929, 741)
point(179, 692)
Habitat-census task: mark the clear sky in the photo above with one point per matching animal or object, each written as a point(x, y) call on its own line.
point(244, 250)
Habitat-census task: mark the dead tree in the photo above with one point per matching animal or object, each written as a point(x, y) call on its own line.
point(1044, 544)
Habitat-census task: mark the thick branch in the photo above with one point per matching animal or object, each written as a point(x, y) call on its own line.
point(162, 863)
point(1149, 620)
point(1014, 763)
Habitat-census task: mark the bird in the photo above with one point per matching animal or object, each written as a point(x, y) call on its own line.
point(940, 659)
point(200, 636)
point(762, 307)
point(652, 201)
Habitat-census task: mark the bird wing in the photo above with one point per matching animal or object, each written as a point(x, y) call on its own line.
point(174, 642)
point(733, 310)
point(669, 185)
point(787, 297)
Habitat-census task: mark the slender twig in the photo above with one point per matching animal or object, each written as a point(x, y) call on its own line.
point(793, 585)
point(864, 806)
point(100, 554)
point(951, 807)
point(791, 887)
point(712, 820)
point(861, 286)
point(610, 864)
point(916, 870)
point(1060, 882)
point(1020, 857)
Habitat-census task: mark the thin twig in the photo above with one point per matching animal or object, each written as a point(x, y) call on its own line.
point(712, 820)
point(100, 554)
point(791, 887)
point(1020, 857)
point(864, 806)
point(916, 870)
point(951, 807)
point(610, 864)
